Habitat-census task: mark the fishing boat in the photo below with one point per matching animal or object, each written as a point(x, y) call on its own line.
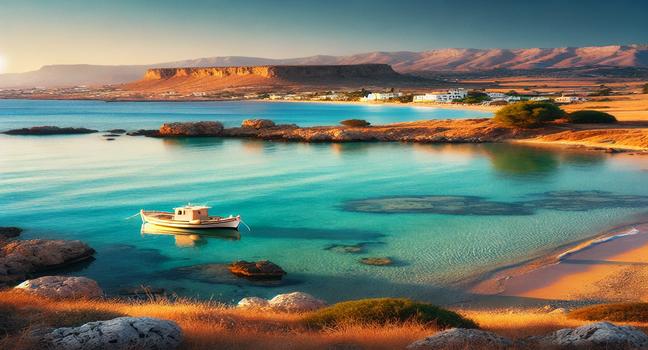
point(190, 217)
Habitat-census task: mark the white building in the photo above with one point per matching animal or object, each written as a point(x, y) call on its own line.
point(570, 99)
point(381, 96)
point(496, 95)
point(539, 98)
point(449, 96)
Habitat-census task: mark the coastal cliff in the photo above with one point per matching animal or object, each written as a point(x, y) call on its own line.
point(281, 72)
point(202, 79)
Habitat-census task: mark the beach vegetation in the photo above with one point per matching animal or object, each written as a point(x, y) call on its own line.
point(386, 311)
point(474, 97)
point(622, 312)
point(528, 114)
point(358, 123)
point(645, 88)
point(405, 98)
point(590, 116)
point(356, 95)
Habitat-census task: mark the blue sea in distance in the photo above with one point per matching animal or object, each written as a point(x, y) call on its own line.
point(150, 115)
point(303, 202)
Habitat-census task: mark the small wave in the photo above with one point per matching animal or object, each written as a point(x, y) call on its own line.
point(631, 232)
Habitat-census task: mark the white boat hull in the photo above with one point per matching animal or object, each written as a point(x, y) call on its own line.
point(159, 219)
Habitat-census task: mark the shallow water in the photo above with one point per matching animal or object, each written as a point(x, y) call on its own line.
point(499, 206)
point(150, 115)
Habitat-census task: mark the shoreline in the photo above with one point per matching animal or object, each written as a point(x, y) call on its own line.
point(581, 271)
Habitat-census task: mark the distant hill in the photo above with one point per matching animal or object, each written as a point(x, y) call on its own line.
point(446, 60)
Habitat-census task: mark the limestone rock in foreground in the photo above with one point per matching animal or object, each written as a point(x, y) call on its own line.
point(120, 334)
point(205, 128)
point(290, 302)
point(295, 302)
point(257, 123)
point(49, 130)
point(19, 259)
point(461, 338)
point(263, 269)
point(62, 287)
point(253, 303)
point(594, 336)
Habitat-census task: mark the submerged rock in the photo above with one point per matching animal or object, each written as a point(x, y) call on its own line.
point(295, 302)
point(119, 333)
point(257, 123)
point(594, 336)
point(204, 128)
point(62, 287)
point(377, 261)
point(436, 204)
point(49, 130)
point(19, 259)
point(461, 338)
point(144, 132)
point(10, 232)
point(220, 274)
point(263, 269)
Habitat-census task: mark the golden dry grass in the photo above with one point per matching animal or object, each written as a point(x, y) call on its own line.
point(209, 325)
point(206, 325)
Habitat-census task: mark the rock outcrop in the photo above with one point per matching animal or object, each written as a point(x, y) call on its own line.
point(120, 334)
point(62, 287)
point(204, 128)
point(253, 303)
point(293, 73)
point(290, 302)
point(594, 336)
point(20, 259)
point(461, 338)
point(257, 123)
point(263, 269)
point(295, 302)
point(49, 130)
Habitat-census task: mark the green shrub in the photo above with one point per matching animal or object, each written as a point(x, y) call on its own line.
point(528, 114)
point(624, 312)
point(386, 310)
point(355, 122)
point(590, 116)
point(474, 97)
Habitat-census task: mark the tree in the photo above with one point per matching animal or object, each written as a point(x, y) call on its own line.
point(474, 97)
point(645, 88)
point(528, 114)
point(590, 116)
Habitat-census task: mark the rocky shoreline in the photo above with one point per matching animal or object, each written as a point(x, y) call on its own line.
point(620, 138)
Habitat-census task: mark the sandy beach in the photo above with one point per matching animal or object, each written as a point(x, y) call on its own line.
point(610, 268)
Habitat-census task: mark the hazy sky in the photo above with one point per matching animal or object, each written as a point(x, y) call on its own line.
point(35, 33)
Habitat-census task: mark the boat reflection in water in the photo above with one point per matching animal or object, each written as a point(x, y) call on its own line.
point(190, 237)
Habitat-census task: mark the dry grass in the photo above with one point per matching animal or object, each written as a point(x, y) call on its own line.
point(206, 325)
point(209, 325)
point(523, 323)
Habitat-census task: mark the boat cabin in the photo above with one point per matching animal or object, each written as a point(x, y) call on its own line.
point(191, 212)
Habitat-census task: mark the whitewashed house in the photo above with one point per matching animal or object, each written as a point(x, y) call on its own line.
point(381, 96)
point(570, 99)
point(496, 95)
point(449, 96)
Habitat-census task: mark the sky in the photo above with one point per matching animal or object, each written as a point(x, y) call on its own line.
point(34, 33)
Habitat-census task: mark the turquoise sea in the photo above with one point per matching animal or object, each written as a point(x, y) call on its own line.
point(442, 213)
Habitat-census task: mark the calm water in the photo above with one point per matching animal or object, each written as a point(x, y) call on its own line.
point(134, 115)
point(498, 202)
